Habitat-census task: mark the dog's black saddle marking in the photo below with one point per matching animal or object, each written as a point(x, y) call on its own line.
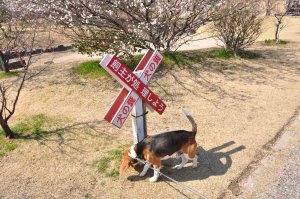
point(164, 144)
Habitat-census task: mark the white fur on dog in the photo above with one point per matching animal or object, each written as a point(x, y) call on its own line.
point(132, 152)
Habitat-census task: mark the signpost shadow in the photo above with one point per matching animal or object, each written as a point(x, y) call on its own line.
point(211, 162)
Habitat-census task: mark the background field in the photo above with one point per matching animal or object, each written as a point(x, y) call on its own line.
point(238, 104)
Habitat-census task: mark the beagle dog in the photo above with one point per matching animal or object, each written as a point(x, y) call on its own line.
point(155, 148)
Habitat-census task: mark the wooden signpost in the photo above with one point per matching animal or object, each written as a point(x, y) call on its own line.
point(135, 94)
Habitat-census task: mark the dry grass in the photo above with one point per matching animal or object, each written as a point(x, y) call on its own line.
point(289, 32)
point(237, 110)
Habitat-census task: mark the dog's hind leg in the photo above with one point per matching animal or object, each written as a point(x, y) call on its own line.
point(146, 167)
point(178, 153)
point(192, 155)
point(184, 160)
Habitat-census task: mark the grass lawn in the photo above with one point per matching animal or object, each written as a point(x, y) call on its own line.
point(4, 75)
point(36, 127)
point(272, 42)
point(225, 54)
point(110, 163)
point(6, 145)
point(180, 59)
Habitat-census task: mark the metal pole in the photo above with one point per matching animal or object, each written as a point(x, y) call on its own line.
point(139, 122)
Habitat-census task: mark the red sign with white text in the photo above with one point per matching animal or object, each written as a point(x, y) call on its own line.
point(127, 77)
point(115, 108)
point(135, 86)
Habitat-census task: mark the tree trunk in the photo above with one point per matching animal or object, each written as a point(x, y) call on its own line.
point(235, 50)
point(277, 32)
point(227, 46)
point(3, 63)
point(235, 53)
point(7, 131)
point(268, 9)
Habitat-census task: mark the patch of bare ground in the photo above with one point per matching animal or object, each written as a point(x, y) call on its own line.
point(266, 166)
point(239, 106)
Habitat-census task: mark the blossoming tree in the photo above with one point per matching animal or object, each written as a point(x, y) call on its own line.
point(126, 26)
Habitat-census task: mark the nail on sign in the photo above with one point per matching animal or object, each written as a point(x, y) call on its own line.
point(135, 87)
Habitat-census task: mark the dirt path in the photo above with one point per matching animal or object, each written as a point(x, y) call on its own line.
point(239, 105)
point(283, 160)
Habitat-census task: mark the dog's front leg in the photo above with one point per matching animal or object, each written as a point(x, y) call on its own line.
point(146, 167)
point(156, 173)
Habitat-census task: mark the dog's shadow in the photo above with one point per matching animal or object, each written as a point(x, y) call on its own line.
point(210, 163)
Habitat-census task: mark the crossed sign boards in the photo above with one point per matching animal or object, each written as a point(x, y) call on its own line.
point(134, 85)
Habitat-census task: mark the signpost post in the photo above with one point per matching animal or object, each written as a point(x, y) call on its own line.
point(135, 94)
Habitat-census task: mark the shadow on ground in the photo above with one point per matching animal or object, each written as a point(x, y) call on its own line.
point(211, 163)
point(65, 138)
point(58, 132)
point(202, 76)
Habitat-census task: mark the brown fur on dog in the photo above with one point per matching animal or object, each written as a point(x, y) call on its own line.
point(126, 162)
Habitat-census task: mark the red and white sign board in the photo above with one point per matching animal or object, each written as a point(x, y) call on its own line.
point(135, 86)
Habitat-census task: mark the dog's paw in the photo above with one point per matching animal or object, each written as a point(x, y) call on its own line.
point(153, 179)
point(178, 166)
point(142, 174)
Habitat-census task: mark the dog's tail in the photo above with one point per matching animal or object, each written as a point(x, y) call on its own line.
point(191, 119)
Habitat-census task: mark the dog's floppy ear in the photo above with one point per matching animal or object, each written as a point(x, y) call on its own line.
point(126, 161)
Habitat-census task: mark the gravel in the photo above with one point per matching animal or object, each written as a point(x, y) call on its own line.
point(288, 186)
